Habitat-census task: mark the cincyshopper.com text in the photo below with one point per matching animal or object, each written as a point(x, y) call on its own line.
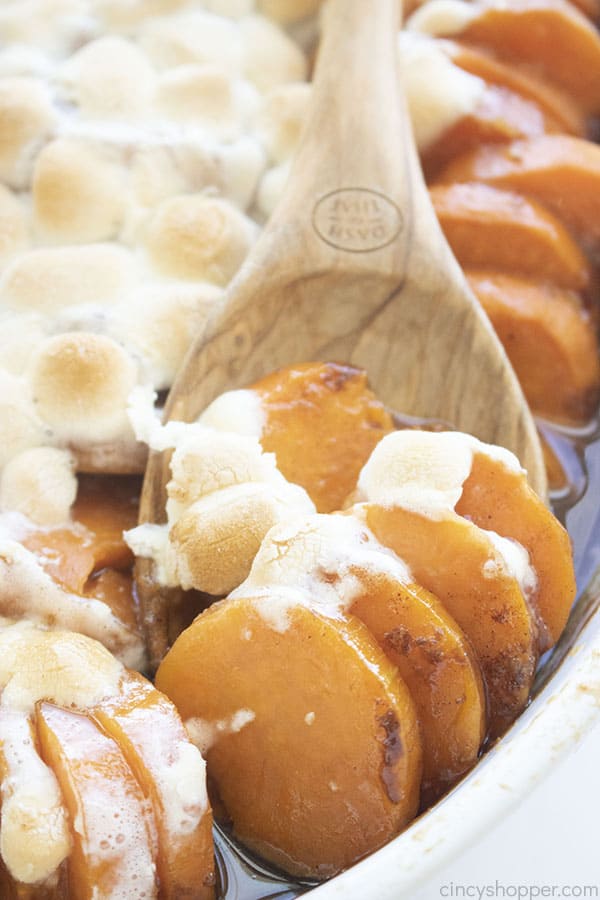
point(454, 891)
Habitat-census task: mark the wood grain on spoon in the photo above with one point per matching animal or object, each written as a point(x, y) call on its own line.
point(353, 267)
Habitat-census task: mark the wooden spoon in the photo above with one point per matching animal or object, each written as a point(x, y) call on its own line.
point(352, 267)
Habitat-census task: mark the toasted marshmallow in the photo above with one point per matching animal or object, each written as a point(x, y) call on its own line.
point(109, 78)
point(223, 460)
point(20, 336)
point(193, 37)
point(282, 118)
point(40, 483)
point(80, 384)
point(207, 97)
point(158, 323)
point(270, 57)
point(216, 538)
point(49, 279)
point(14, 228)
point(240, 412)
point(424, 471)
point(199, 237)
point(19, 426)
point(271, 188)
point(64, 667)
point(92, 208)
point(26, 121)
point(447, 17)
point(224, 495)
point(117, 15)
point(289, 11)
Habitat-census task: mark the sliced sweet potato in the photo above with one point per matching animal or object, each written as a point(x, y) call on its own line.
point(500, 116)
point(316, 751)
point(155, 744)
point(561, 172)
point(322, 421)
point(489, 228)
point(114, 834)
point(550, 36)
point(440, 670)
point(563, 109)
point(105, 507)
point(549, 339)
point(457, 562)
point(502, 501)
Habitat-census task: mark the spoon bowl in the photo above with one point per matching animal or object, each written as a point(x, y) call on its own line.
point(352, 267)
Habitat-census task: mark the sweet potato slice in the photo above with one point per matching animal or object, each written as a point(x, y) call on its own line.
point(440, 670)
point(550, 341)
point(456, 561)
point(550, 36)
point(500, 116)
point(155, 744)
point(105, 507)
point(489, 228)
point(316, 751)
point(322, 421)
point(554, 102)
point(561, 172)
point(66, 554)
point(113, 832)
point(500, 500)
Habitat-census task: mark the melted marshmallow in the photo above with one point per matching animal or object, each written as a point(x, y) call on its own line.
point(424, 471)
point(224, 495)
point(205, 734)
point(34, 833)
point(320, 561)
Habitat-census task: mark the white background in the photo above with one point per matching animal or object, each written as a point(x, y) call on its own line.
point(553, 836)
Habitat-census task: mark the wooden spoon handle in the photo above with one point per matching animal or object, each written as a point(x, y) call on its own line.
point(352, 178)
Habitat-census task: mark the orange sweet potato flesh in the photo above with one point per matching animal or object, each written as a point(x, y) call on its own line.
point(322, 422)
point(501, 116)
point(108, 507)
point(448, 557)
point(143, 722)
point(440, 670)
point(500, 500)
point(561, 172)
point(550, 36)
point(563, 109)
point(550, 341)
point(114, 841)
point(329, 767)
point(488, 228)
point(89, 557)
